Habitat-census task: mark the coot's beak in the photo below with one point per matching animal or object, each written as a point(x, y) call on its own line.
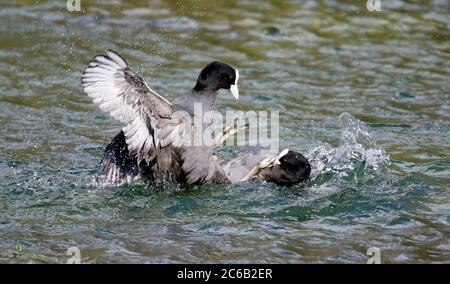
point(234, 89)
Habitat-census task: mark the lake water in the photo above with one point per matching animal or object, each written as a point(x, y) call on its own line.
point(367, 91)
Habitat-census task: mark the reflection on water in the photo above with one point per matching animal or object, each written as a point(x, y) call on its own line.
point(363, 94)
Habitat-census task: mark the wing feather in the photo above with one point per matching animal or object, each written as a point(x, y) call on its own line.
point(124, 94)
point(150, 126)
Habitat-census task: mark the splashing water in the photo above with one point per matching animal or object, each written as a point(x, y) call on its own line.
point(356, 149)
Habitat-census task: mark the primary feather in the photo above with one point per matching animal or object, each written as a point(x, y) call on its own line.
point(124, 94)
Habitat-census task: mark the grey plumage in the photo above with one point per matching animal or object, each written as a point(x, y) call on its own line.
point(237, 167)
point(157, 134)
point(155, 141)
point(284, 168)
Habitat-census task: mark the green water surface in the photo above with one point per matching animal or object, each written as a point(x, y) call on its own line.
point(386, 184)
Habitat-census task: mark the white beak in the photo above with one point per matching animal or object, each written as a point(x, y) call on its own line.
point(234, 91)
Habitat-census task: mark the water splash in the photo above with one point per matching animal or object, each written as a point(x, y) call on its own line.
point(356, 150)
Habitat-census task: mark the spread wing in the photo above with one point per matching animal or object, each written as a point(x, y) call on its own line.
point(151, 128)
point(124, 94)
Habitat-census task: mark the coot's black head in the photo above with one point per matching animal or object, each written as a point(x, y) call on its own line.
point(293, 168)
point(218, 75)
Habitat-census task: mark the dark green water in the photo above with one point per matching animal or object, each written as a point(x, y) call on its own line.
point(386, 183)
